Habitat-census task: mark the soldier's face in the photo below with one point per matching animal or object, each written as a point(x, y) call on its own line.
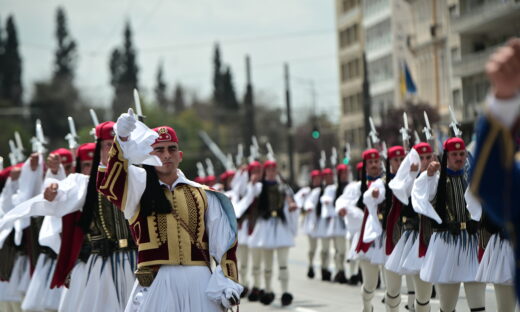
point(170, 156)
point(456, 160)
point(67, 167)
point(343, 176)
point(373, 167)
point(395, 163)
point(106, 145)
point(270, 173)
point(329, 179)
point(426, 159)
point(86, 166)
point(316, 181)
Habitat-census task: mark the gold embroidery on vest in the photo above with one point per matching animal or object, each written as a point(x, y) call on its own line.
point(162, 226)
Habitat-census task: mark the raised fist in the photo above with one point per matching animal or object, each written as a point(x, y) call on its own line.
point(503, 70)
point(414, 167)
point(51, 191)
point(375, 193)
point(433, 167)
point(126, 124)
point(53, 163)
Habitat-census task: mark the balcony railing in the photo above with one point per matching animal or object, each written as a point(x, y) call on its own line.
point(475, 18)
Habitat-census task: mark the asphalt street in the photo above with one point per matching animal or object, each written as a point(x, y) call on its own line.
point(315, 295)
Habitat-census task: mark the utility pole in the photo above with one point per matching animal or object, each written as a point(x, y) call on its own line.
point(249, 108)
point(289, 125)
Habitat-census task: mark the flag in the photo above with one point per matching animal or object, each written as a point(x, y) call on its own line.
point(407, 85)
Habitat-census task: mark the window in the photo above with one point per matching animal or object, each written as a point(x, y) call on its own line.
point(349, 36)
point(349, 4)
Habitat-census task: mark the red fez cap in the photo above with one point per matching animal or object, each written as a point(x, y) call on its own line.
point(166, 134)
point(4, 174)
point(454, 144)
point(359, 166)
point(423, 148)
point(396, 151)
point(370, 154)
point(326, 171)
point(86, 151)
point(341, 167)
point(105, 130)
point(269, 163)
point(223, 176)
point(210, 179)
point(65, 155)
point(228, 173)
point(254, 165)
point(199, 180)
point(315, 173)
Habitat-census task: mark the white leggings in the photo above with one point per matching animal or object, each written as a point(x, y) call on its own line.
point(475, 296)
point(282, 255)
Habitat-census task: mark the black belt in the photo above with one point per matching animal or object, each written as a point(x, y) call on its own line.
point(455, 228)
point(105, 247)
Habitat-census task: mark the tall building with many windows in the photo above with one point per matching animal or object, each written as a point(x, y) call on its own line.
point(349, 18)
point(478, 27)
point(386, 25)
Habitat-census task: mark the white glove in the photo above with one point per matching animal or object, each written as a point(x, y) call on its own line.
point(229, 298)
point(126, 124)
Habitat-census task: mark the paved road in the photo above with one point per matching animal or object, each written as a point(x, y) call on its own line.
point(315, 295)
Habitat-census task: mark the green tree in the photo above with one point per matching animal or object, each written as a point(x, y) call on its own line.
point(66, 52)
point(179, 105)
point(218, 87)
point(54, 100)
point(229, 98)
point(160, 89)
point(11, 88)
point(124, 73)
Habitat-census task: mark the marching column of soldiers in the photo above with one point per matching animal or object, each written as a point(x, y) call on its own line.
point(115, 225)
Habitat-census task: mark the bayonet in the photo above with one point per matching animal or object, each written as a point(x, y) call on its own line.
point(373, 133)
point(72, 135)
point(404, 132)
point(454, 124)
point(240, 155)
point(138, 108)
point(417, 138)
point(334, 157)
point(213, 147)
point(427, 130)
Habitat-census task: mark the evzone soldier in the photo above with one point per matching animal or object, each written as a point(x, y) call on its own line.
point(275, 230)
point(306, 198)
point(369, 249)
point(325, 215)
point(452, 250)
point(337, 229)
point(177, 224)
point(315, 226)
point(403, 226)
point(246, 210)
point(97, 254)
point(495, 176)
point(346, 207)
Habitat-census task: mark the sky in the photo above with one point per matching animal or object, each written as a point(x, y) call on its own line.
point(181, 34)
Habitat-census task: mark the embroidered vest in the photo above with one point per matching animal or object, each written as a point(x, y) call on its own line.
point(176, 238)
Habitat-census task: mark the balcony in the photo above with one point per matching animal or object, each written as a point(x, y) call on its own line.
point(491, 15)
point(375, 14)
point(472, 64)
point(381, 87)
point(354, 14)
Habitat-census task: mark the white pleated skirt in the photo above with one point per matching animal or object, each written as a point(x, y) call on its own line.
point(39, 295)
point(309, 223)
point(498, 262)
point(243, 236)
point(14, 289)
point(450, 258)
point(74, 294)
point(271, 233)
point(401, 252)
point(109, 282)
point(413, 263)
point(376, 253)
point(175, 289)
point(336, 227)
